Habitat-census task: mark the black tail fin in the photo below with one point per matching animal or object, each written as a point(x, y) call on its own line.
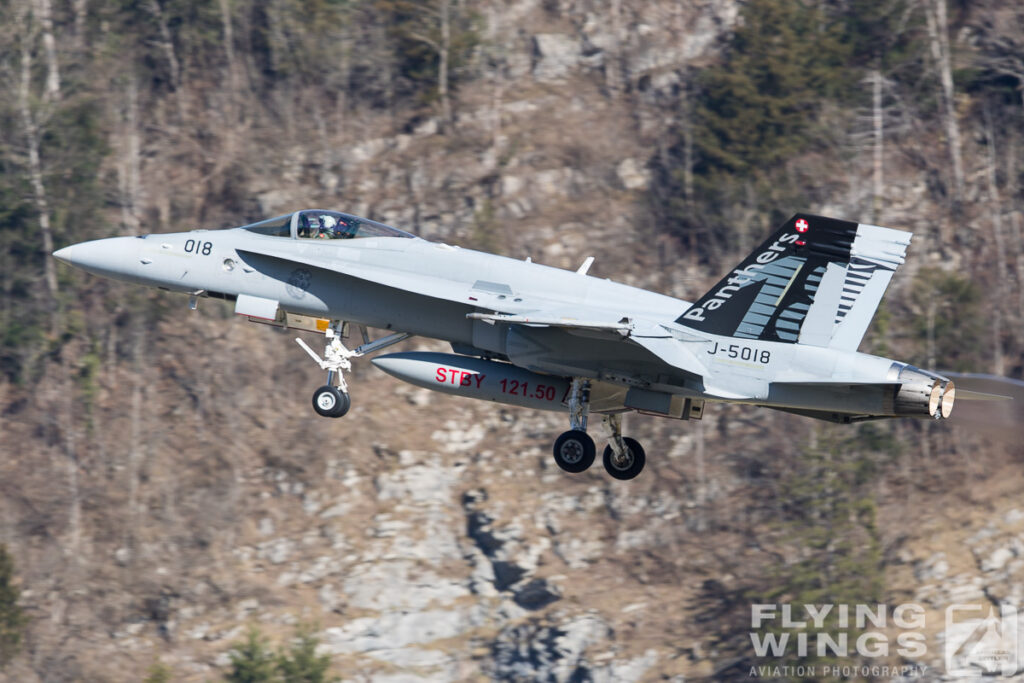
point(769, 296)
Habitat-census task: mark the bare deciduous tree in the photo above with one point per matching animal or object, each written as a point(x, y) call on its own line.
point(999, 243)
point(129, 167)
point(28, 32)
point(938, 38)
point(44, 11)
point(438, 18)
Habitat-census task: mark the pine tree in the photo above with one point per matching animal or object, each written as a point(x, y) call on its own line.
point(433, 41)
point(300, 663)
point(833, 543)
point(946, 320)
point(822, 547)
point(252, 661)
point(758, 108)
point(159, 673)
point(753, 115)
point(12, 619)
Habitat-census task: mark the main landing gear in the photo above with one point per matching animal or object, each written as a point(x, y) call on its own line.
point(574, 450)
point(332, 399)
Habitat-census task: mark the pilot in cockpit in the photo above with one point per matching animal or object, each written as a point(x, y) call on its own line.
point(326, 228)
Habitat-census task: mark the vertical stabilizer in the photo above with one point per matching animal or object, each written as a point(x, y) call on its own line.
point(816, 281)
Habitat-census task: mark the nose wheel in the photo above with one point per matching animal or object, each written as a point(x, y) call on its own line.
point(330, 402)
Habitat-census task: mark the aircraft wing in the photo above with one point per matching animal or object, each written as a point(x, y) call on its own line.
point(535, 311)
point(436, 287)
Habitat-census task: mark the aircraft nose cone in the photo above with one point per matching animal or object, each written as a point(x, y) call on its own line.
point(64, 255)
point(115, 257)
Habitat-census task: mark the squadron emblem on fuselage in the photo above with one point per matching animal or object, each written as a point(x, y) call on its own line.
point(299, 282)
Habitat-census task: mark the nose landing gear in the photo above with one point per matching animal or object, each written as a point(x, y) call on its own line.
point(332, 399)
point(574, 450)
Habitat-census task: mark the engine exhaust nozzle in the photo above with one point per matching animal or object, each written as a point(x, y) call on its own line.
point(923, 394)
point(948, 395)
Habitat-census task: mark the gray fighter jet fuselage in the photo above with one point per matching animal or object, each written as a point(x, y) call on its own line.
point(781, 330)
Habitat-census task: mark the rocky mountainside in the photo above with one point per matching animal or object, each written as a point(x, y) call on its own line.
point(164, 483)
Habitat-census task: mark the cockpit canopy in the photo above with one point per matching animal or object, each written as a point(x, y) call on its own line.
point(323, 225)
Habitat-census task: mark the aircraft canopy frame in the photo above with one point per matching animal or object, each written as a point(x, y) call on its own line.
point(323, 224)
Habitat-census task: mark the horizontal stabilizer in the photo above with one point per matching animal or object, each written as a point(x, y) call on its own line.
point(836, 384)
point(838, 418)
point(542, 319)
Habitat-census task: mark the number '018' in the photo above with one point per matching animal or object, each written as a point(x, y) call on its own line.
point(197, 247)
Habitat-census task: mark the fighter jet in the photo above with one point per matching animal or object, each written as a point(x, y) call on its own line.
point(780, 330)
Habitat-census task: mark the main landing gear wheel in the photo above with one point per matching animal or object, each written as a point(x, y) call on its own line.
point(630, 464)
point(329, 402)
point(574, 451)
